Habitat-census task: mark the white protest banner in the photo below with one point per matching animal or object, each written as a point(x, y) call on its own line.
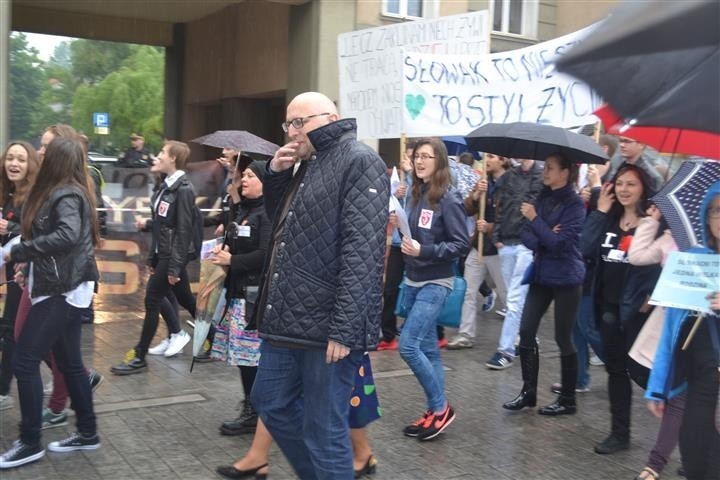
point(686, 280)
point(370, 64)
point(455, 94)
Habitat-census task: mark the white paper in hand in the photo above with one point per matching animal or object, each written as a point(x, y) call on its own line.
point(394, 181)
point(403, 223)
point(7, 247)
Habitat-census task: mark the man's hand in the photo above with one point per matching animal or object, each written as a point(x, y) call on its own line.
point(220, 230)
point(284, 158)
point(528, 211)
point(173, 280)
point(481, 226)
point(141, 224)
point(335, 352)
point(480, 187)
point(401, 191)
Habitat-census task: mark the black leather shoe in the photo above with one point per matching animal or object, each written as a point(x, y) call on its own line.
point(526, 398)
point(612, 444)
point(232, 472)
point(203, 357)
point(136, 365)
point(561, 406)
point(369, 468)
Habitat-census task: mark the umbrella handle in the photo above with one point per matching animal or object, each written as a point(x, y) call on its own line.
point(481, 210)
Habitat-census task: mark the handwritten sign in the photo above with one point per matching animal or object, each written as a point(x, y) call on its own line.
point(455, 94)
point(686, 280)
point(370, 63)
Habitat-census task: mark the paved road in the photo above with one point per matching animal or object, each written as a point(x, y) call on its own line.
point(164, 423)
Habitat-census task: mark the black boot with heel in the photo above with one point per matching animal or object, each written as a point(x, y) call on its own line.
point(529, 358)
point(565, 403)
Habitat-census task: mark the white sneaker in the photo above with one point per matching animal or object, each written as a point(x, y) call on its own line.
point(595, 361)
point(160, 348)
point(177, 343)
point(48, 388)
point(6, 401)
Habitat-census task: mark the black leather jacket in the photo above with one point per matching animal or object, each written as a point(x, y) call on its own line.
point(172, 225)
point(61, 248)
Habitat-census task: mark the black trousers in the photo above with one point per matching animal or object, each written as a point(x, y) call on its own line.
point(699, 437)
point(156, 292)
point(617, 340)
point(393, 276)
point(7, 327)
point(567, 303)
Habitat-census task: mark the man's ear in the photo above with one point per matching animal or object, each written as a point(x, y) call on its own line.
point(333, 117)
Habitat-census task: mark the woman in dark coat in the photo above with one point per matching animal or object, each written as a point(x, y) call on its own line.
point(620, 290)
point(552, 232)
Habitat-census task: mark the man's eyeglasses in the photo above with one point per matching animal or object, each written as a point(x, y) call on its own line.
point(422, 156)
point(300, 121)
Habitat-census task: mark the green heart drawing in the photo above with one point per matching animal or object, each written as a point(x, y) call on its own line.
point(414, 104)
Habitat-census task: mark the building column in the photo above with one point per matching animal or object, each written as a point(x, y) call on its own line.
point(174, 71)
point(5, 10)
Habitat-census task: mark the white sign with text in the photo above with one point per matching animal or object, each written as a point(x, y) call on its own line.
point(455, 94)
point(371, 65)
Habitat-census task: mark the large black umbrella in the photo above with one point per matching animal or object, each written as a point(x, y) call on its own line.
point(655, 62)
point(536, 141)
point(239, 140)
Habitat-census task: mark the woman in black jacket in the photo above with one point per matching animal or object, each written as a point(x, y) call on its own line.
point(246, 240)
point(59, 232)
point(620, 290)
point(19, 166)
point(552, 232)
point(172, 248)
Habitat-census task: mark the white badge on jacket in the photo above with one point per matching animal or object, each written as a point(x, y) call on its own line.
point(425, 220)
point(243, 231)
point(163, 208)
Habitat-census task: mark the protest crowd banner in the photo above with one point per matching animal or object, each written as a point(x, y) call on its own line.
point(686, 280)
point(371, 65)
point(455, 94)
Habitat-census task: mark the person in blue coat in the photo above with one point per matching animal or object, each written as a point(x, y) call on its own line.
point(695, 369)
point(552, 232)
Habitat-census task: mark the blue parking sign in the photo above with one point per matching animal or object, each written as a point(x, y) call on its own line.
point(101, 119)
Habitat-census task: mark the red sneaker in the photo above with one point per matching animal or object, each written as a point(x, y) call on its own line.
point(385, 345)
point(442, 343)
point(437, 424)
point(418, 425)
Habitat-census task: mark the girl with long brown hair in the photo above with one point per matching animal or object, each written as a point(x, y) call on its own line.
point(19, 165)
point(59, 231)
point(439, 239)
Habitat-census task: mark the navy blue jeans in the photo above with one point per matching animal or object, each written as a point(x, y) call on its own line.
point(52, 325)
point(305, 402)
point(584, 333)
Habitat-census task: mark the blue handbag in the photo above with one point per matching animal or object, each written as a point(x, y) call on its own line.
point(451, 312)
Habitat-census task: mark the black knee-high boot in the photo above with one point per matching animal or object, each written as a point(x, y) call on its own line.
point(565, 403)
point(529, 358)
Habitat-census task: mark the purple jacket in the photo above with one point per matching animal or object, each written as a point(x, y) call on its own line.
point(558, 262)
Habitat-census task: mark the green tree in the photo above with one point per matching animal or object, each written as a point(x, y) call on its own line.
point(27, 80)
point(93, 60)
point(132, 95)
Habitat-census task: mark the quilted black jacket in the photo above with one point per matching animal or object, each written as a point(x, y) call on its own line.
point(323, 274)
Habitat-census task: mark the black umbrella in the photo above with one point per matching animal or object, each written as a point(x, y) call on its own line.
point(655, 62)
point(536, 141)
point(239, 140)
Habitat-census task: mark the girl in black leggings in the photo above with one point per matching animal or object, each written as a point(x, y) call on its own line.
point(552, 232)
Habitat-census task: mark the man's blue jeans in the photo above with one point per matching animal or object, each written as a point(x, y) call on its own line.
point(52, 325)
point(305, 402)
point(418, 340)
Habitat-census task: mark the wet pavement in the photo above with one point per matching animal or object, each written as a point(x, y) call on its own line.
point(164, 423)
